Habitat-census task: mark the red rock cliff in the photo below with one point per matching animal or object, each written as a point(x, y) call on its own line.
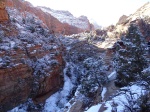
point(51, 22)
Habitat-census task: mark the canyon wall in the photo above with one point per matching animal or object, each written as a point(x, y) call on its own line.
point(31, 60)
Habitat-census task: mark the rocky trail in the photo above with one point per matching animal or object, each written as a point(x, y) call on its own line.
point(111, 90)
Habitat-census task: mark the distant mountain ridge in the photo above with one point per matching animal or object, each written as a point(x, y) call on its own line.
point(66, 17)
point(71, 26)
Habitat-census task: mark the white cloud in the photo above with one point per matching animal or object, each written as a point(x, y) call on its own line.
point(105, 12)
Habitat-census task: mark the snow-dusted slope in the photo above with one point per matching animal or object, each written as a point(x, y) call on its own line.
point(66, 17)
point(141, 12)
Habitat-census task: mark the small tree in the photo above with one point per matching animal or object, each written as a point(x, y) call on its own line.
point(130, 58)
point(94, 76)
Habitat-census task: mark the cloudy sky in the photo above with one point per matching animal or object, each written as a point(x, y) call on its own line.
point(104, 12)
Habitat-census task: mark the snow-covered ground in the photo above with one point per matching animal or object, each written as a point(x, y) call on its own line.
point(94, 108)
point(58, 100)
point(103, 92)
point(125, 95)
point(120, 100)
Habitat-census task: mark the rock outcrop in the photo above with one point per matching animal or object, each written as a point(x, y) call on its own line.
point(53, 23)
point(3, 12)
point(122, 19)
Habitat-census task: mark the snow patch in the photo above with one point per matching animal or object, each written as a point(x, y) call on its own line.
point(108, 43)
point(122, 99)
point(103, 92)
point(112, 76)
point(94, 108)
point(109, 108)
point(58, 100)
point(17, 109)
point(12, 44)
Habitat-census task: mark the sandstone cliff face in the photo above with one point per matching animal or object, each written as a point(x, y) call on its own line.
point(31, 63)
point(15, 85)
point(3, 12)
point(50, 21)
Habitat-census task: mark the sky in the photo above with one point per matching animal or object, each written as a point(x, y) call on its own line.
point(104, 12)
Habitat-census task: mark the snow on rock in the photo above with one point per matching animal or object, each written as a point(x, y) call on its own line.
point(12, 44)
point(112, 76)
point(19, 26)
point(108, 43)
point(142, 12)
point(94, 108)
point(66, 17)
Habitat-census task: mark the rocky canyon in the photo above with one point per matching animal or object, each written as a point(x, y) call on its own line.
point(51, 61)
